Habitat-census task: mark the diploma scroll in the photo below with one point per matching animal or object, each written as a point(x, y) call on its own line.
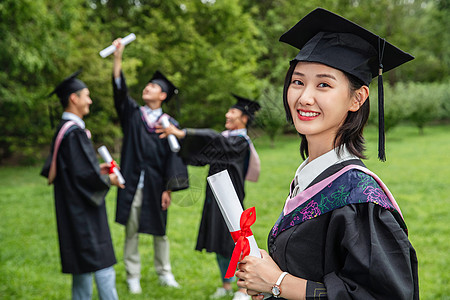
point(229, 205)
point(173, 142)
point(125, 41)
point(231, 210)
point(104, 153)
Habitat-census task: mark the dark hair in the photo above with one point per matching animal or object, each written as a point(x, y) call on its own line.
point(65, 99)
point(350, 133)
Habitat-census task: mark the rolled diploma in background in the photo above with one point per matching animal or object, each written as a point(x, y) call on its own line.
point(104, 153)
point(125, 41)
point(229, 205)
point(173, 142)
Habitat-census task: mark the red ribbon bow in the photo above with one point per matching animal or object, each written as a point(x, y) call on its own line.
point(242, 246)
point(113, 165)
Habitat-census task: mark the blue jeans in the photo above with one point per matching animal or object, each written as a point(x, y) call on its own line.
point(105, 280)
point(223, 263)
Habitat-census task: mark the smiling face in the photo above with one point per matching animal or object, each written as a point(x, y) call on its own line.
point(235, 119)
point(79, 102)
point(153, 94)
point(319, 100)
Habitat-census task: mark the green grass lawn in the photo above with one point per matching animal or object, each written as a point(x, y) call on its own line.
point(417, 173)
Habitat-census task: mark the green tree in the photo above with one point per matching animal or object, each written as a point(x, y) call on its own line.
point(201, 46)
point(35, 47)
point(208, 48)
point(395, 100)
point(423, 106)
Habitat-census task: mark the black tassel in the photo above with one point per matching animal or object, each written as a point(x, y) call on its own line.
point(381, 137)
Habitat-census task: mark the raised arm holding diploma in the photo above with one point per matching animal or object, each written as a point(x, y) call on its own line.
point(110, 50)
point(152, 171)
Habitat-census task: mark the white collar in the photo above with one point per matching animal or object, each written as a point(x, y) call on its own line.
point(307, 172)
point(242, 131)
point(155, 112)
point(73, 117)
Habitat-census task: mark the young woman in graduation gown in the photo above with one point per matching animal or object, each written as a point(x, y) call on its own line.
point(340, 235)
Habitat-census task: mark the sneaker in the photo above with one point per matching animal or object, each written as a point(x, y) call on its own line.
point(221, 292)
point(134, 286)
point(168, 280)
point(241, 296)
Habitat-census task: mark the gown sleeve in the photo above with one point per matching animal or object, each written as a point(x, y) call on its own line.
point(372, 253)
point(83, 168)
point(205, 146)
point(123, 103)
point(175, 173)
point(46, 168)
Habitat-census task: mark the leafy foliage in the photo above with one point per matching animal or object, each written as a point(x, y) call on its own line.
point(209, 49)
point(424, 105)
point(419, 103)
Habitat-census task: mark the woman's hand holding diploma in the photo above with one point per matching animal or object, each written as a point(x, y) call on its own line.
point(258, 275)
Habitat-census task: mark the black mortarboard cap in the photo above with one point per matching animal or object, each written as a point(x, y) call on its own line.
point(330, 39)
point(165, 84)
point(68, 86)
point(247, 106)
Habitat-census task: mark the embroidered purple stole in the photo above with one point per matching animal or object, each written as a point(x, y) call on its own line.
point(254, 164)
point(149, 125)
point(348, 186)
point(58, 140)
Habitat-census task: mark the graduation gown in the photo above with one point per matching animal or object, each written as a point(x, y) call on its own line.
point(142, 149)
point(205, 146)
point(357, 251)
point(84, 238)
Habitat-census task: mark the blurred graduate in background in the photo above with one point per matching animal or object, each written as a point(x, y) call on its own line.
point(230, 150)
point(151, 169)
point(80, 186)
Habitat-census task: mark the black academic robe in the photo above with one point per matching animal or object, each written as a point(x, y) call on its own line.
point(205, 146)
point(358, 251)
point(84, 238)
point(142, 149)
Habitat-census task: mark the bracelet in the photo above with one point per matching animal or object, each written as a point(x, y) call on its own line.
point(276, 289)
